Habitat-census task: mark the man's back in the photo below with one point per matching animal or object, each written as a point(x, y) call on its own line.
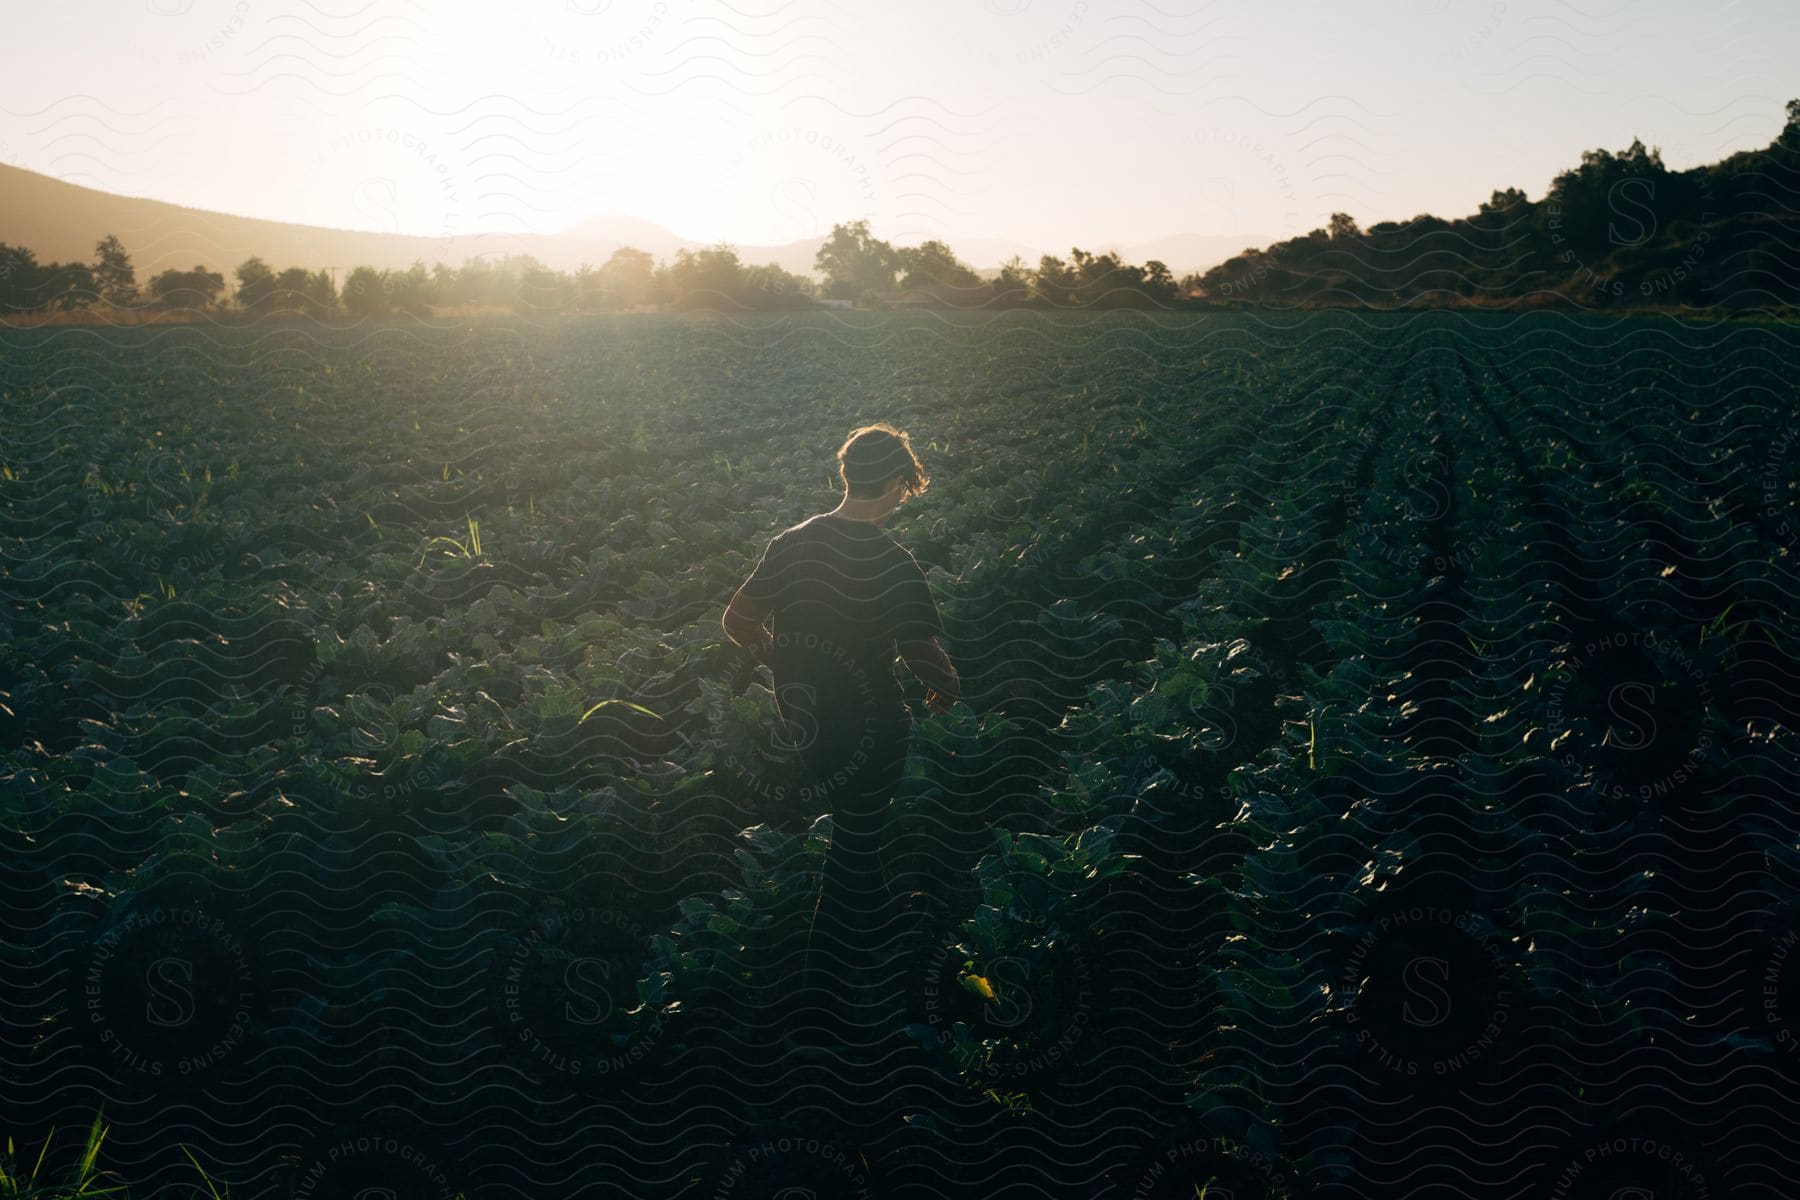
point(842, 595)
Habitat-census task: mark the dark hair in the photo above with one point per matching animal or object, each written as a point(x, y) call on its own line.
point(875, 454)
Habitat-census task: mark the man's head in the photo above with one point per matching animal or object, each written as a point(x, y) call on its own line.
point(878, 459)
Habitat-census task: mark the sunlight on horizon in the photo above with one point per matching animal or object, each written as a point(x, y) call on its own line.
point(1031, 123)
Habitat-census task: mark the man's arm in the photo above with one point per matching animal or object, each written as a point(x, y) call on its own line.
point(927, 660)
point(747, 616)
point(746, 623)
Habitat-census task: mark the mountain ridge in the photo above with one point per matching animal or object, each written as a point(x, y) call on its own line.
point(61, 221)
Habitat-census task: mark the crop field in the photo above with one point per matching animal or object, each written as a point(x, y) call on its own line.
point(1376, 773)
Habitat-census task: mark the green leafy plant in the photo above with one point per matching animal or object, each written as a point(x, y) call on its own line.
point(85, 1179)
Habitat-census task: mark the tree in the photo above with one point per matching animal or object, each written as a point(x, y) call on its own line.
point(1639, 159)
point(115, 280)
point(590, 289)
point(1504, 200)
point(541, 289)
point(482, 282)
point(931, 263)
point(409, 291)
point(298, 290)
point(1013, 283)
point(18, 268)
point(770, 286)
point(26, 284)
point(290, 290)
point(855, 262)
point(443, 284)
point(321, 294)
point(1158, 281)
point(469, 284)
point(1103, 279)
point(256, 285)
point(365, 293)
point(193, 289)
point(1055, 281)
point(709, 278)
point(1342, 227)
point(627, 278)
point(1606, 202)
point(65, 286)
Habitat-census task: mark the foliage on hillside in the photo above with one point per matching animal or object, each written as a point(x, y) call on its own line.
point(1618, 231)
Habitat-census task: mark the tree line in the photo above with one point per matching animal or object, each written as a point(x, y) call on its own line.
point(863, 269)
point(1617, 230)
point(856, 269)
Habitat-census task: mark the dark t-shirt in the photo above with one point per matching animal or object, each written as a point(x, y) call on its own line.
point(842, 595)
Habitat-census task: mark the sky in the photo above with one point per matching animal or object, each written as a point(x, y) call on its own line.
point(1046, 122)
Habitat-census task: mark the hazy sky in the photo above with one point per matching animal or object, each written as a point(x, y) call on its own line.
point(1050, 122)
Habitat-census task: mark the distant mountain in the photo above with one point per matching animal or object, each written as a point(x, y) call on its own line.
point(1190, 252)
point(61, 221)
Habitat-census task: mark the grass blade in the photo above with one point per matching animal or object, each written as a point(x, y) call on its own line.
point(41, 1154)
point(628, 704)
point(213, 1191)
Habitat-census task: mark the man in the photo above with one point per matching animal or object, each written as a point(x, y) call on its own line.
point(831, 605)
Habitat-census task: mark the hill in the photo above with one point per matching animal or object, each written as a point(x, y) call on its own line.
point(62, 221)
point(1618, 231)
